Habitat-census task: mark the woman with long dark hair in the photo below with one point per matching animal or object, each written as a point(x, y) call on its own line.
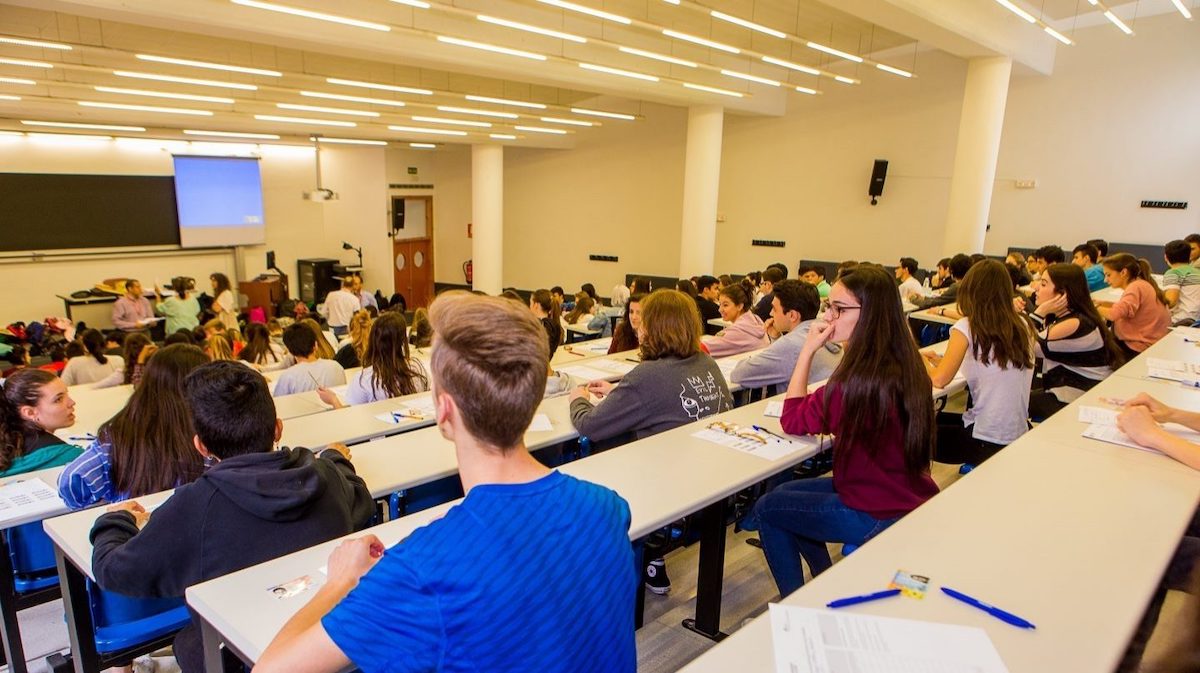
point(548, 311)
point(148, 445)
point(879, 405)
point(94, 365)
point(625, 336)
point(182, 309)
point(745, 331)
point(387, 371)
point(1140, 317)
point(33, 406)
point(260, 351)
point(993, 346)
point(224, 305)
point(132, 349)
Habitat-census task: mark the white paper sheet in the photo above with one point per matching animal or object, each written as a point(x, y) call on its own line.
point(540, 423)
point(618, 367)
point(422, 404)
point(774, 410)
point(773, 449)
point(26, 498)
point(1113, 435)
point(1100, 415)
point(585, 373)
point(1173, 370)
point(807, 640)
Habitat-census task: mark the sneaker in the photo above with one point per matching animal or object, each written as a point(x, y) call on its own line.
point(656, 578)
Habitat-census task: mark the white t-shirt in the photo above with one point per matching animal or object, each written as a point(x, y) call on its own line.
point(1000, 397)
point(910, 287)
point(363, 388)
point(228, 314)
point(84, 369)
point(340, 306)
point(305, 376)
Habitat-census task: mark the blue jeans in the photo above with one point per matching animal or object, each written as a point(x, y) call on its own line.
point(795, 521)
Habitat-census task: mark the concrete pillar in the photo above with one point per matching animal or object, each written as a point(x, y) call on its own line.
point(487, 217)
point(975, 157)
point(701, 181)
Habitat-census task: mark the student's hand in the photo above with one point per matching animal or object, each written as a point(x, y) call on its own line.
point(140, 515)
point(1160, 412)
point(769, 327)
point(1018, 304)
point(1139, 424)
point(599, 388)
point(147, 351)
point(1104, 304)
point(933, 358)
point(340, 448)
point(352, 559)
point(329, 397)
point(578, 393)
point(818, 335)
point(1057, 305)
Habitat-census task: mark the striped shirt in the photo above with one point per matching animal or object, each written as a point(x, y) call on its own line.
point(88, 479)
point(1078, 360)
point(1184, 279)
point(481, 589)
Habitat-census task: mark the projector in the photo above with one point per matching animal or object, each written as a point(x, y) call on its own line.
point(321, 195)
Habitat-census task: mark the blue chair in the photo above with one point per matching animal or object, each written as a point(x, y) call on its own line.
point(848, 549)
point(124, 623)
point(424, 496)
point(32, 555)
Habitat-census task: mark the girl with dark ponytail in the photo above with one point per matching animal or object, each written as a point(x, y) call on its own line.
point(33, 406)
point(1140, 317)
point(95, 365)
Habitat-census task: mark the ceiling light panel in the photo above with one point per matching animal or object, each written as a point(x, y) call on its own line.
point(209, 66)
point(309, 14)
point(185, 80)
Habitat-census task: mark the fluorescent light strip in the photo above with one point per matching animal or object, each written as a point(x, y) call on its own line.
point(147, 108)
point(308, 14)
point(601, 113)
point(209, 66)
point(330, 110)
point(77, 125)
point(25, 62)
point(894, 71)
point(302, 120)
point(413, 3)
point(1182, 10)
point(4, 96)
point(834, 52)
point(16, 80)
point(348, 141)
point(701, 41)
point(1107, 14)
point(607, 16)
point(67, 137)
point(750, 78)
point(845, 80)
point(423, 146)
point(418, 129)
point(713, 89)
point(455, 122)
point(804, 89)
point(165, 94)
point(503, 136)
point(1057, 35)
point(671, 2)
point(530, 29)
point(230, 134)
point(569, 122)
point(618, 71)
point(352, 99)
point(35, 43)
point(381, 87)
point(747, 24)
point(490, 47)
point(185, 80)
point(540, 129)
point(473, 111)
point(657, 57)
point(11, 133)
point(789, 64)
point(505, 101)
point(1017, 10)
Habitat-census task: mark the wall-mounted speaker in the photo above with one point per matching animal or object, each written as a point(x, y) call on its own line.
point(878, 176)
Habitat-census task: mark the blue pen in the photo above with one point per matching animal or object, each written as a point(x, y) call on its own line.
point(773, 434)
point(865, 598)
point(83, 438)
point(1006, 617)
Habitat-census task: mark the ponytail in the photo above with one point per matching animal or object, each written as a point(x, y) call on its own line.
point(1136, 268)
point(738, 295)
point(93, 342)
point(22, 389)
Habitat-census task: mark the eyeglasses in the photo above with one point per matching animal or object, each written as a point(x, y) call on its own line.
point(736, 431)
point(836, 310)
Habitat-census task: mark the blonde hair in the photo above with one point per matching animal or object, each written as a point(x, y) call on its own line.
point(671, 325)
point(360, 332)
point(324, 350)
point(218, 348)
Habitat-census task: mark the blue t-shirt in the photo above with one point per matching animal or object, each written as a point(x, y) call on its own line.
point(1095, 277)
point(518, 577)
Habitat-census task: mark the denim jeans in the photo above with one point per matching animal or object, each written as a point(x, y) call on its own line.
point(795, 521)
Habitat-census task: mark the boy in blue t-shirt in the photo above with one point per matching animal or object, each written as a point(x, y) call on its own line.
point(1086, 257)
point(532, 571)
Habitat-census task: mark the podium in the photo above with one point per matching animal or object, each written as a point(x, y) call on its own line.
point(265, 292)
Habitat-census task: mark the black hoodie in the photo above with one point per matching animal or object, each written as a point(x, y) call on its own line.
point(243, 511)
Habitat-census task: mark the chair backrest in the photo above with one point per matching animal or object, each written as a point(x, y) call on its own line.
point(30, 549)
point(112, 609)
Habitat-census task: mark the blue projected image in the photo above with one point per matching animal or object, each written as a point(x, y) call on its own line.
point(218, 192)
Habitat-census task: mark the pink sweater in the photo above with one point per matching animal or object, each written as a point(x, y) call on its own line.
point(745, 334)
point(1138, 318)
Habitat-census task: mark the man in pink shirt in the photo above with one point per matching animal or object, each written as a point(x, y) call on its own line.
point(132, 312)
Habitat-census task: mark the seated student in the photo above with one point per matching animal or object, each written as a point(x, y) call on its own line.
point(546, 309)
point(34, 404)
point(422, 331)
point(770, 278)
point(752, 281)
point(745, 332)
point(350, 353)
point(1051, 254)
point(1193, 241)
point(253, 505)
point(565, 303)
point(310, 372)
point(1016, 261)
point(275, 329)
point(182, 309)
point(481, 589)
point(708, 290)
point(905, 274)
point(993, 345)
point(602, 322)
point(793, 310)
point(260, 351)
point(960, 264)
point(581, 314)
point(387, 369)
point(1077, 348)
point(639, 285)
point(815, 275)
point(59, 355)
point(625, 336)
point(1181, 284)
point(844, 268)
point(590, 291)
point(94, 365)
point(1101, 247)
point(132, 349)
point(17, 359)
point(1140, 317)
point(217, 347)
point(147, 446)
point(181, 337)
point(231, 335)
point(324, 348)
point(1085, 257)
point(876, 405)
point(941, 277)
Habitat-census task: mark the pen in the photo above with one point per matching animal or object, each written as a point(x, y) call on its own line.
point(632, 360)
point(83, 438)
point(314, 379)
point(1006, 617)
point(773, 434)
point(865, 598)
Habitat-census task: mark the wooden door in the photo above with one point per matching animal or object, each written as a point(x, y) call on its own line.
point(413, 265)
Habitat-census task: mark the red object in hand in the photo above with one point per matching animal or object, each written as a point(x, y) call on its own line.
point(376, 550)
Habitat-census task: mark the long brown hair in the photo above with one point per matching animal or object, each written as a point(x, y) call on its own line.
point(583, 306)
point(258, 345)
point(1137, 268)
point(998, 333)
point(131, 348)
point(360, 332)
point(553, 309)
point(671, 323)
point(422, 329)
point(738, 295)
point(882, 371)
point(22, 388)
point(93, 343)
point(1070, 280)
point(218, 348)
point(387, 356)
point(151, 437)
point(324, 350)
point(222, 282)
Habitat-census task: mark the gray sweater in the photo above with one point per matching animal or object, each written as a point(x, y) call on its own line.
point(775, 364)
point(656, 395)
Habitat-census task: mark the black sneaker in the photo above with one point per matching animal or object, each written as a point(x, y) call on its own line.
point(656, 578)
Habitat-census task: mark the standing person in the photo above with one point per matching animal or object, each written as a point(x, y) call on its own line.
point(340, 306)
point(147, 446)
point(877, 406)
point(224, 304)
point(387, 368)
point(793, 310)
point(1181, 284)
point(480, 589)
point(906, 275)
point(708, 291)
point(34, 404)
point(365, 298)
point(1086, 256)
point(181, 310)
point(94, 365)
point(132, 311)
point(625, 336)
point(543, 305)
point(745, 332)
point(1140, 317)
point(993, 344)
